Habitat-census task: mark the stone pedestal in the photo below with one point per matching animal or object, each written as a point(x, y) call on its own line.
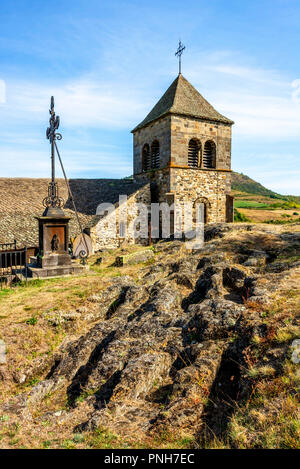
point(54, 259)
point(56, 271)
point(54, 240)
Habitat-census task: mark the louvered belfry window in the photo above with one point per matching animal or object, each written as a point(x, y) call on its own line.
point(209, 155)
point(155, 155)
point(146, 158)
point(193, 153)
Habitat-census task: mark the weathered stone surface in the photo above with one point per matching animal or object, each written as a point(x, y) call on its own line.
point(2, 352)
point(134, 258)
point(157, 349)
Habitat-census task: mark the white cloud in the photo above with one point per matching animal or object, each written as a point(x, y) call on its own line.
point(262, 116)
point(2, 92)
point(268, 77)
point(261, 102)
point(27, 163)
point(83, 103)
point(296, 92)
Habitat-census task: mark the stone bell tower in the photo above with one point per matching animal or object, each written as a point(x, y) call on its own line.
point(183, 147)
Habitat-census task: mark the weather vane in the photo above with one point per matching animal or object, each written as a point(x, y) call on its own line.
point(53, 200)
point(179, 52)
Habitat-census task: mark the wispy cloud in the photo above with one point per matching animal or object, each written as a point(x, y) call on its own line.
point(2, 92)
point(267, 110)
point(284, 181)
point(83, 103)
point(262, 116)
point(260, 101)
point(94, 163)
point(266, 77)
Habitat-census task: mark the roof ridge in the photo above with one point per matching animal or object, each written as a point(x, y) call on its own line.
point(175, 93)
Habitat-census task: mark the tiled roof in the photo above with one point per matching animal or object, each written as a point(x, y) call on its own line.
point(182, 98)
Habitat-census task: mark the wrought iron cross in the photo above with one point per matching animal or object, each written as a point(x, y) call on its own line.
point(53, 200)
point(54, 122)
point(179, 53)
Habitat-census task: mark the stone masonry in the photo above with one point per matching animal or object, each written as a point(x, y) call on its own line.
point(181, 115)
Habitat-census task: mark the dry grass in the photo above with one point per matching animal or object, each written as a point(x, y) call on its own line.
point(260, 216)
point(31, 339)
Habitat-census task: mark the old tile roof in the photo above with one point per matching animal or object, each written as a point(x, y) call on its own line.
point(21, 200)
point(183, 99)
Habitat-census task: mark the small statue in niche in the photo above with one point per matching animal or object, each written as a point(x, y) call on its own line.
point(54, 243)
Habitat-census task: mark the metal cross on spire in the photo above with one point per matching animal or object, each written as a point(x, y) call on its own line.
point(178, 53)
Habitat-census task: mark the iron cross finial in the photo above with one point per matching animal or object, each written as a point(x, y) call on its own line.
point(53, 200)
point(54, 123)
point(179, 52)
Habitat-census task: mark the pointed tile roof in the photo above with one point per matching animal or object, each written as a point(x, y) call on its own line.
point(183, 99)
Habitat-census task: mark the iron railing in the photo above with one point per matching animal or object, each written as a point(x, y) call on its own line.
point(13, 266)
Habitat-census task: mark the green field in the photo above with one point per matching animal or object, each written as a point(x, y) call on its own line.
point(249, 204)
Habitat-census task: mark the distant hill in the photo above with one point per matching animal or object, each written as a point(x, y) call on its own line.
point(242, 183)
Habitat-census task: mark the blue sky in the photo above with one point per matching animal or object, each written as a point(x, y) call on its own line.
point(108, 62)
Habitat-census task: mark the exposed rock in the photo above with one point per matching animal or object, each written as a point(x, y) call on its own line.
point(2, 352)
point(57, 318)
point(159, 346)
point(257, 258)
point(19, 377)
point(134, 258)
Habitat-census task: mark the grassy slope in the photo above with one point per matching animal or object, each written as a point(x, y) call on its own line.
point(267, 419)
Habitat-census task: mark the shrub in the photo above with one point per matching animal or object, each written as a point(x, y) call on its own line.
point(240, 217)
point(32, 321)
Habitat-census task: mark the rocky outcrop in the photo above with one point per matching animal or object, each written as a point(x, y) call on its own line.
point(157, 348)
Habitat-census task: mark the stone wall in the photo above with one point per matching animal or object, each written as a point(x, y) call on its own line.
point(175, 176)
point(191, 184)
point(174, 134)
point(194, 184)
point(106, 232)
point(159, 130)
point(183, 129)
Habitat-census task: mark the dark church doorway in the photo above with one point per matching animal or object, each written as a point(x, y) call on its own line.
point(229, 208)
point(201, 209)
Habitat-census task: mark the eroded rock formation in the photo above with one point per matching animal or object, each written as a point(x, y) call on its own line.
point(161, 351)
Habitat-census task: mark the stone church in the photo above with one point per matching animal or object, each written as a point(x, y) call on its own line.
point(181, 153)
point(184, 147)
